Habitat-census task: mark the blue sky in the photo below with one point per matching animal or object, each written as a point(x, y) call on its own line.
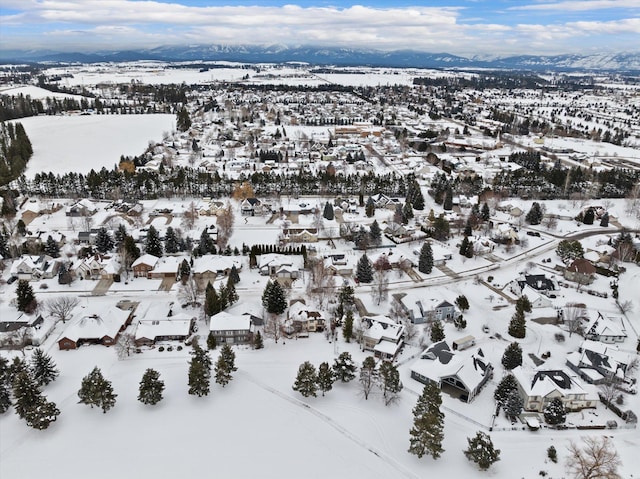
point(467, 27)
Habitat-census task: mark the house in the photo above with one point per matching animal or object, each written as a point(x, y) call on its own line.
point(87, 268)
point(422, 310)
point(461, 374)
point(208, 268)
point(606, 329)
point(95, 327)
point(581, 271)
point(537, 282)
point(144, 265)
point(83, 207)
point(539, 387)
point(504, 234)
point(251, 207)
point(32, 268)
point(596, 363)
point(166, 267)
point(231, 329)
point(173, 328)
point(270, 263)
point(305, 319)
point(383, 336)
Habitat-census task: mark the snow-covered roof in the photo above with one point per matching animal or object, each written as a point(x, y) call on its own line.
point(95, 324)
point(147, 259)
point(224, 321)
point(151, 329)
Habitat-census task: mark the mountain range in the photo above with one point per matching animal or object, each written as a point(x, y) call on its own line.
point(623, 62)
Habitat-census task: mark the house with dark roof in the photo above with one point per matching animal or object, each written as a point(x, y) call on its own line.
point(581, 271)
point(462, 374)
point(597, 363)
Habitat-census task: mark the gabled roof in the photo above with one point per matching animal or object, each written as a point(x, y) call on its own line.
point(224, 321)
point(96, 324)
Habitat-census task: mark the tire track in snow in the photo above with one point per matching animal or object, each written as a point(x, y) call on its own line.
point(330, 422)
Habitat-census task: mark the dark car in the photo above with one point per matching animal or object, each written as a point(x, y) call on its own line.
point(12, 279)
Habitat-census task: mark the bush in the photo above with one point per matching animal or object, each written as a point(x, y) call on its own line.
point(489, 279)
point(161, 348)
point(170, 348)
point(552, 454)
point(44, 286)
point(179, 348)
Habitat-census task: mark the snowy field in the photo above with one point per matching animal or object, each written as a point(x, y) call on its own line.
point(79, 143)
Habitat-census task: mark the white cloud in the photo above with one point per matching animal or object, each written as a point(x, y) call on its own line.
point(579, 5)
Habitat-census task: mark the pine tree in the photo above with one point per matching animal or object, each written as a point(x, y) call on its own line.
point(153, 245)
point(459, 322)
point(417, 199)
point(368, 375)
point(364, 272)
point(407, 212)
point(95, 390)
point(427, 432)
point(425, 262)
point(437, 331)
point(25, 298)
point(604, 220)
point(534, 216)
point(25, 393)
point(234, 276)
point(306, 380)
point(42, 414)
point(481, 451)
point(120, 234)
point(104, 241)
point(43, 368)
point(223, 294)
point(448, 200)
point(257, 341)
point(232, 294)
point(507, 385)
point(4, 248)
point(222, 371)
point(512, 357)
point(466, 248)
point(199, 372)
point(485, 214)
point(589, 216)
point(390, 382)
point(555, 412)
point(151, 387)
point(211, 301)
point(370, 208)
point(184, 271)
point(206, 245)
point(513, 406)
point(517, 325)
point(328, 211)
point(183, 120)
point(274, 298)
point(5, 396)
point(171, 244)
point(375, 233)
point(229, 357)
point(552, 454)
point(468, 231)
point(211, 341)
point(462, 302)
point(347, 327)
point(325, 377)
point(51, 247)
point(344, 368)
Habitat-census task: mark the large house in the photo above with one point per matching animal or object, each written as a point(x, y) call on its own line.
point(606, 329)
point(31, 268)
point(597, 363)
point(383, 336)
point(231, 329)
point(460, 373)
point(538, 388)
point(174, 328)
point(144, 265)
point(581, 271)
point(208, 268)
point(95, 327)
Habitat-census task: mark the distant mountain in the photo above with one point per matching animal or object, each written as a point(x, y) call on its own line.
point(277, 53)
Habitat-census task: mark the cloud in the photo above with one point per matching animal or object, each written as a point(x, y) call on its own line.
point(579, 5)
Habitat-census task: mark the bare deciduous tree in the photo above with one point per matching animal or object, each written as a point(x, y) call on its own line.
point(61, 307)
point(273, 327)
point(321, 285)
point(380, 286)
point(573, 315)
point(595, 459)
point(125, 346)
point(225, 225)
point(190, 216)
point(625, 306)
point(189, 293)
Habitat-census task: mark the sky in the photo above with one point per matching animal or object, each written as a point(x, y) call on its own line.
point(463, 27)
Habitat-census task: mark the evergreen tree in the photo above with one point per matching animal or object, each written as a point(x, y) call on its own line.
point(25, 393)
point(4, 248)
point(344, 369)
point(199, 372)
point(437, 331)
point(513, 406)
point(589, 216)
point(223, 294)
point(364, 272)
point(523, 304)
point(234, 276)
point(229, 357)
point(328, 211)
point(507, 385)
point(568, 250)
point(390, 382)
point(206, 245)
point(517, 325)
point(604, 220)
point(427, 432)
point(407, 212)
point(211, 341)
point(185, 271)
point(120, 234)
point(232, 294)
point(5, 395)
point(368, 375)
point(347, 327)
point(370, 208)
point(481, 451)
point(257, 341)
point(375, 233)
point(183, 120)
point(462, 302)
point(25, 298)
point(104, 241)
point(51, 248)
point(211, 301)
point(466, 248)
point(425, 261)
point(512, 356)
point(552, 454)
point(153, 245)
point(222, 371)
point(97, 391)
point(43, 368)
point(325, 377)
point(555, 412)
point(42, 414)
point(484, 212)
point(459, 322)
point(274, 298)
point(306, 380)
point(534, 216)
point(151, 387)
point(448, 200)
point(171, 243)
point(131, 249)
point(417, 199)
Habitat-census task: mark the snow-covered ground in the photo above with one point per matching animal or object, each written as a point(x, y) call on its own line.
point(80, 143)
